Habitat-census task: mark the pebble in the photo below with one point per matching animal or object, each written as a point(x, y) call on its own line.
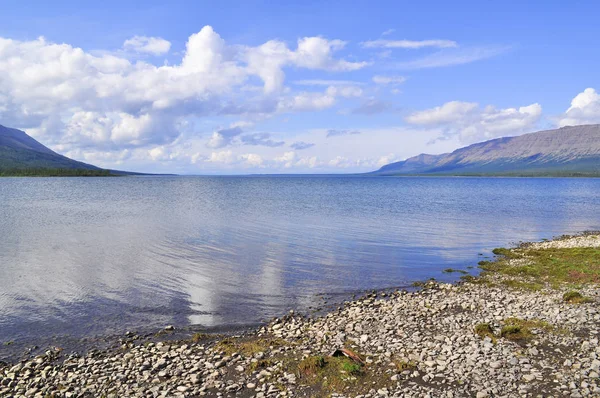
point(430, 332)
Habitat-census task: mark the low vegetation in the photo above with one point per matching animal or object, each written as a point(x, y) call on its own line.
point(533, 268)
point(484, 330)
point(574, 297)
point(334, 374)
point(517, 329)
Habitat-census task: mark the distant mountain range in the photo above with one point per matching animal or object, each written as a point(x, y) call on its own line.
point(572, 150)
point(568, 151)
point(22, 155)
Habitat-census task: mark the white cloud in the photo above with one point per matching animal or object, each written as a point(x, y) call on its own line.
point(72, 98)
point(148, 45)
point(268, 60)
point(387, 159)
point(251, 159)
point(584, 109)
point(226, 157)
point(310, 162)
point(223, 137)
point(159, 153)
point(344, 91)
point(317, 53)
point(287, 159)
point(452, 57)
point(409, 44)
point(304, 102)
point(472, 124)
point(449, 112)
point(378, 79)
point(323, 82)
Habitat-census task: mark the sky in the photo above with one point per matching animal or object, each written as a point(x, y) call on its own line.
point(197, 87)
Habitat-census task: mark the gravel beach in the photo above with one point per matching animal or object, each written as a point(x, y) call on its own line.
point(478, 338)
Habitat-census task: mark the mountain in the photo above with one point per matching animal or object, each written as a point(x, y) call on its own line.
point(22, 155)
point(572, 150)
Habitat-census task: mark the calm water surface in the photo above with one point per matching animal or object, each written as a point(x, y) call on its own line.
point(94, 256)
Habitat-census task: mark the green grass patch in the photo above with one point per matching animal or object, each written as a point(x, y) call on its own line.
point(517, 329)
point(523, 285)
point(515, 333)
point(351, 368)
point(501, 251)
point(311, 366)
point(574, 297)
point(340, 374)
point(484, 330)
point(547, 266)
point(468, 278)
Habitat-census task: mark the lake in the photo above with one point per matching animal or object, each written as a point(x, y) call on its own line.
point(97, 256)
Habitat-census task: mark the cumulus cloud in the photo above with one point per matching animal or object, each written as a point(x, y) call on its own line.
point(300, 145)
point(337, 133)
point(223, 137)
point(268, 60)
point(584, 109)
point(472, 124)
point(148, 45)
point(226, 157)
point(251, 159)
point(409, 44)
point(288, 159)
point(449, 112)
point(74, 99)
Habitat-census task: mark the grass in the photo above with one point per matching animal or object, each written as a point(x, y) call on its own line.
point(351, 368)
point(484, 330)
point(532, 268)
point(515, 333)
point(332, 374)
point(523, 285)
point(327, 375)
point(517, 329)
point(311, 365)
point(574, 297)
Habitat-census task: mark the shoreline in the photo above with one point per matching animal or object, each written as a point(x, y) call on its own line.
point(481, 337)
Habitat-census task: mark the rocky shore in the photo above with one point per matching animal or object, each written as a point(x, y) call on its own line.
point(478, 338)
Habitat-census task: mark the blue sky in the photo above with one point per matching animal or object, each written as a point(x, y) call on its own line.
point(256, 87)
